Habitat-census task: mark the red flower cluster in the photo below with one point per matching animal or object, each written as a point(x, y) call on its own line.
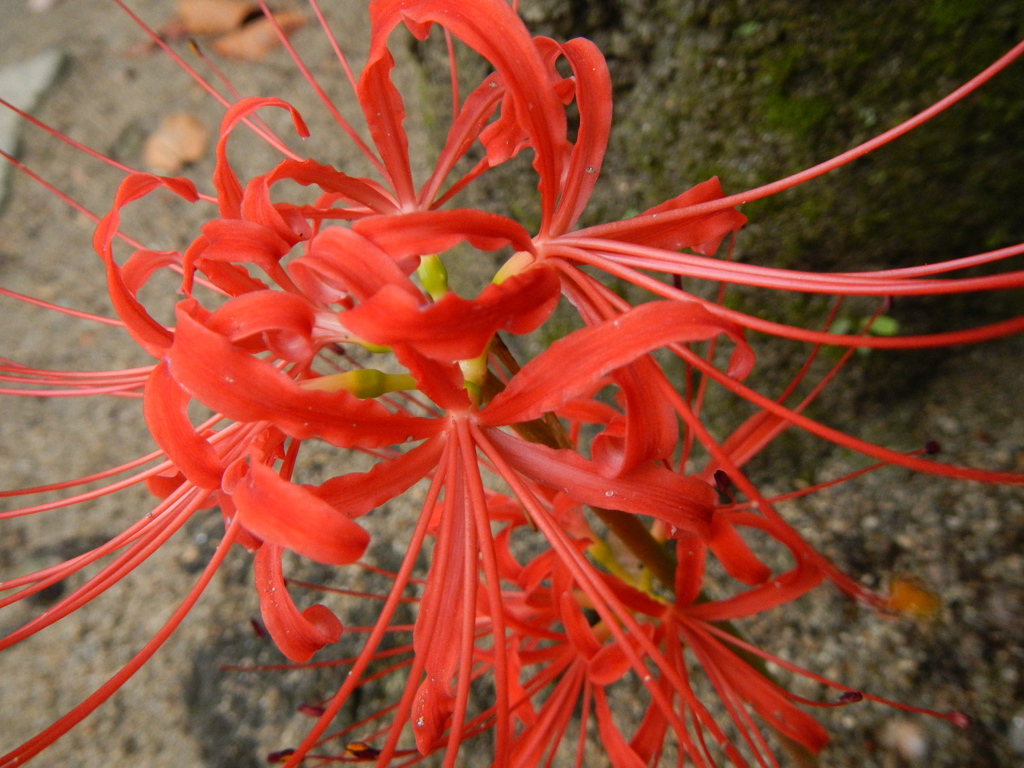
point(291, 312)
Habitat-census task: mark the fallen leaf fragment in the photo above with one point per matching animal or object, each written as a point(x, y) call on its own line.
point(909, 597)
point(214, 17)
point(258, 37)
point(181, 139)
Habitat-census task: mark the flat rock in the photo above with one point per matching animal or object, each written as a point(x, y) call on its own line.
point(21, 85)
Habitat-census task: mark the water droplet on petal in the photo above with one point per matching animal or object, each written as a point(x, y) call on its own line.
point(609, 494)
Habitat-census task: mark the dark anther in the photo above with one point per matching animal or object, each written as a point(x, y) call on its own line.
point(851, 697)
point(361, 751)
point(932, 447)
point(280, 756)
point(722, 482)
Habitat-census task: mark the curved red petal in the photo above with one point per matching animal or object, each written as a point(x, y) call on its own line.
point(649, 430)
point(229, 191)
point(165, 409)
point(289, 515)
point(426, 232)
point(283, 321)
point(594, 103)
point(385, 112)
point(358, 190)
point(735, 555)
point(577, 629)
point(702, 232)
point(569, 367)
point(686, 503)
point(494, 30)
point(768, 700)
point(248, 389)
point(358, 492)
point(690, 557)
point(142, 264)
point(146, 331)
point(297, 635)
point(431, 713)
point(242, 242)
point(441, 381)
point(621, 754)
point(351, 263)
point(454, 328)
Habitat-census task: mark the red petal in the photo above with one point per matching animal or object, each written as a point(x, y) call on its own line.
point(577, 629)
point(649, 430)
point(594, 103)
point(297, 635)
point(441, 381)
point(359, 492)
point(282, 218)
point(735, 555)
point(767, 699)
point(703, 233)
point(495, 31)
point(384, 112)
point(365, 192)
point(142, 264)
point(454, 328)
point(242, 242)
point(431, 714)
point(568, 368)
point(684, 502)
point(347, 261)
point(284, 321)
point(230, 278)
point(280, 512)
point(619, 752)
point(690, 557)
point(165, 408)
point(783, 589)
point(248, 389)
point(426, 232)
point(229, 191)
point(146, 331)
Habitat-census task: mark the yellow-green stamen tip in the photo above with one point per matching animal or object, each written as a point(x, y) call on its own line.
point(520, 260)
point(433, 276)
point(363, 383)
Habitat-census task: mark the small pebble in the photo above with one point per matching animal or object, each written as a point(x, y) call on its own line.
point(906, 738)
point(1016, 733)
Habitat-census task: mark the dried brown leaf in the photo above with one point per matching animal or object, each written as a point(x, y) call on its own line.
point(214, 17)
point(257, 38)
point(181, 139)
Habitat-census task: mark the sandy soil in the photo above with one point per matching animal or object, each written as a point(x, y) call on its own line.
point(966, 541)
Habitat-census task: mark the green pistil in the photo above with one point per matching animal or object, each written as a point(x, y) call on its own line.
point(516, 264)
point(363, 383)
point(433, 276)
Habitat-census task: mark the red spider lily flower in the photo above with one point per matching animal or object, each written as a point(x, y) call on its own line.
point(274, 293)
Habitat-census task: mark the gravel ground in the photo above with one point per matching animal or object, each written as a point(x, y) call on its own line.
point(965, 541)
